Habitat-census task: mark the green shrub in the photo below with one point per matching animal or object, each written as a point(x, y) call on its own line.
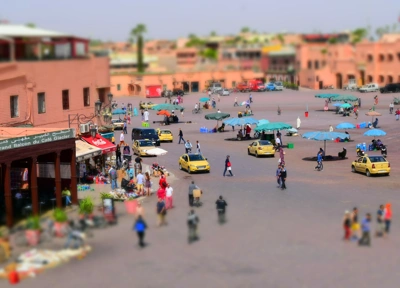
point(86, 206)
point(33, 223)
point(104, 195)
point(60, 215)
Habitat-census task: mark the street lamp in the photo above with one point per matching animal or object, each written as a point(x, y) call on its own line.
point(97, 107)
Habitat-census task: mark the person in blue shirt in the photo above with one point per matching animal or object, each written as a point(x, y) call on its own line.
point(366, 229)
point(140, 228)
point(278, 173)
point(319, 160)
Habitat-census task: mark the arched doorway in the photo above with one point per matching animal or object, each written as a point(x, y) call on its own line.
point(339, 81)
point(138, 89)
point(390, 79)
point(131, 89)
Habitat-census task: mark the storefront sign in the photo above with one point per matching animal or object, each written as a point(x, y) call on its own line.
point(13, 143)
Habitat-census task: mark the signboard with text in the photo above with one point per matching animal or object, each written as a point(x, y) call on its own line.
point(19, 142)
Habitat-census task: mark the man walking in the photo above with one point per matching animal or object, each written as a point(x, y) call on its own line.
point(146, 115)
point(140, 182)
point(161, 212)
point(366, 228)
point(140, 227)
point(113, 178)
point(192, 222)
point(221, 204)
point(380, 231)
point(125, 128)
point(198, 147)
point(250, 98)
point(192, 187)
point(236, 103)
point(228, 166)
point(282, 177)
point(188, 146)
point(122, 139)
point(278, 175)
point(181, 136)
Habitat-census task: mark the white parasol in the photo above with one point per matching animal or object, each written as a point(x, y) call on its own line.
point(156, 152)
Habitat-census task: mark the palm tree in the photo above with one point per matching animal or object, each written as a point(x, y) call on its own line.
point(138, 32)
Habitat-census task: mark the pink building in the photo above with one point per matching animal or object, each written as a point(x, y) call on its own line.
point(323, 64)
point(47, 76)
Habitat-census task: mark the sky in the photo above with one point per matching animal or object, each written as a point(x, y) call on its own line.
point(170, 19)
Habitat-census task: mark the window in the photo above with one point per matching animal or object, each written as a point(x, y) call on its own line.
point(233, 84)
point(381, 57)
point(398, 56)
point(14, 106)
point(65, 99)
point(370, 58)
point(390, 57)
point(86, 97)
point(316, 64)
point(381, 78)
point(119, 87)
point(41, 103)
point(309, 64)
point(370, 79)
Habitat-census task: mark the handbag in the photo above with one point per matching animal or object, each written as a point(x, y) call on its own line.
point(229, 168)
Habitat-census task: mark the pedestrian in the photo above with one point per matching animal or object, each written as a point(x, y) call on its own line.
point(161, 193)
point(282, 156)
point(278, 175)
point(228, 166)
point(169, 191)
point(140, 228)
point(138, 161)
point(161, 212)
point(218, 111)
point(147, 183)
point(181, 136)
point(182, 113)
point(298, 122)
point(142, 112)
point(346, 226)
point(283, 176)
point(355, 225)
point(125, 129)
point(188, 147)
point(221, 207)
point(113, 139)
point(391, 108)
point(139, 182)
point(330, 128)
point(277, 142)
point(236, 103)
point(250, 98)
point(67, 194)
point(192, 187)
point(118, 154)
point(388, 217)
point(380, 230)
point(219, 97)
point(366, 228)
point(113, 178)
point(146, 115)
point(193, 221)
point(129, 118)
point(359, 102)
point(397, 114)
point(198, 151)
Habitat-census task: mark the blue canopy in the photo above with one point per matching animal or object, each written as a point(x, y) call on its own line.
point(375, 133)
point(324, 136)
point(262, 122)
point(337, 104)
point(118, 112)
point(241, 121)
point(345, 125)
point(326, 95)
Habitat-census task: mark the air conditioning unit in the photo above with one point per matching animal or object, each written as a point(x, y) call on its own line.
point(84, 128)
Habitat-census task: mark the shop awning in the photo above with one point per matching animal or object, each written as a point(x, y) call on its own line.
point(85, 150)
point(100, 142)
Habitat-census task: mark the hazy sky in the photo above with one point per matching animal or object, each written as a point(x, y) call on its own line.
point(113, 19)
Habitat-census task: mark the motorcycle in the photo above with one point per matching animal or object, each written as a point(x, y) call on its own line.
point(360, 152)
point(383, 150)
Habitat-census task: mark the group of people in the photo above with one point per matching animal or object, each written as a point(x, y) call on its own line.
point(281, 175)
point(361, 232)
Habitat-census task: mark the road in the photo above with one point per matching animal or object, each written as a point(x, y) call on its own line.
point(273, 238)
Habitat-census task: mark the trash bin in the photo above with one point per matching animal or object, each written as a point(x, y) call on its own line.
point(306, 114)
point(290, 145)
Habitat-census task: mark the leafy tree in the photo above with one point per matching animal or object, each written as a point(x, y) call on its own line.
point(209, 53)
point(95, 42)
point(138, 32)
point(280, 38)
point(30, 25)
point(333, 40)
point(358, 35)
point(324, 51)
point(245, 30)
point(213, 34)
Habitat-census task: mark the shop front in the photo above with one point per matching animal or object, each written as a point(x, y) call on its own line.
point(35, 164)
point(108, 149)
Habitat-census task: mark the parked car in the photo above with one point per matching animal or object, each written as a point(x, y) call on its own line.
point(118, 124)
point(351, 85)
point(371, 165)
point(140, 147)
point(278, 86)
point(193, 163)
point(215, 87)
point(224, 92)
point(391, 88)
point(243, 87)
point(372, 87)
point(146, 133)
point(261, 148)
point(178, 92)
point(256, 85)
point(270, 87)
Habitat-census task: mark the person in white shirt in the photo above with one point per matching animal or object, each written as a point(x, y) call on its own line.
point(198, 147)
point(140, 182)
point(218, 111)
point(196, 107)
point(278, 141)
point(122, 139)
point(169, 192)
point(146, 116)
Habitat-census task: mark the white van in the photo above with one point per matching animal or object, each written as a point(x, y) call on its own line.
point(372, 87)
point(215, 87)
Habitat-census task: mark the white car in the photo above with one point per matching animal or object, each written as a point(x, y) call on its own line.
point(372, 87)
point(278, 86)
point(224, 92)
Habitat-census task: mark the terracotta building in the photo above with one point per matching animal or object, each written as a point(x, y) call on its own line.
point(46, 76)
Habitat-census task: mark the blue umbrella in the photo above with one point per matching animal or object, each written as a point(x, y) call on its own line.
point(262, 122)
point(346, 105)
point(337, 104)
point(118, 112)
point(241, 121)
point(324, 136)
point(345, 125)
point(375, 133)
point(326, 95)
point(204, 99)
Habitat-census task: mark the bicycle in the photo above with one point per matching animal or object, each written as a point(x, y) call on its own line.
point(196, 111)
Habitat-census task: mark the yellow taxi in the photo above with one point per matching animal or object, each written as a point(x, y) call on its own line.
point(165, 135)
point(371, 165)
point(148, 105)
point(261, 148)
point(140, 147)
point(194, 163)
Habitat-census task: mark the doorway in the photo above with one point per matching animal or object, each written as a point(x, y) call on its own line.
point(194, 86)
point(185, 87)
point(362, 77)
point(321, 85)
point(339, 83)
